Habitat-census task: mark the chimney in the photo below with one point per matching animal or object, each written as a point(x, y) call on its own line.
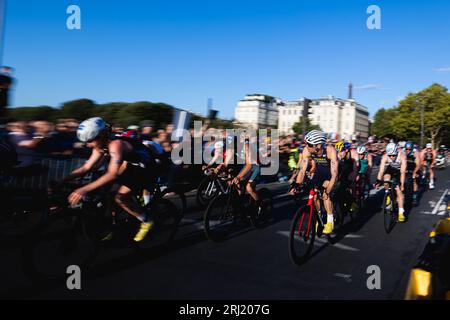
point(350, 91)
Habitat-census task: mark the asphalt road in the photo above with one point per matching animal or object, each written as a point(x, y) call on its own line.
point(253, 263)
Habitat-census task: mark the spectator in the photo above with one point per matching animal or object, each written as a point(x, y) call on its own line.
point(24, 143)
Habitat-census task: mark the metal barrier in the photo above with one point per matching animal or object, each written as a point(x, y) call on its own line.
point(43, 171)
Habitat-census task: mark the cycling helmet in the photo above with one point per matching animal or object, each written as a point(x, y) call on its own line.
point(409, 145)
point(361, 150)
point(89, 129)
point(315, 137)
point(391, 149)
point(429, 145)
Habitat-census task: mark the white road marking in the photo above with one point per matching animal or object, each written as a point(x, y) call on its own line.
point(323, 241)
point(353, 236)
point(438, 205)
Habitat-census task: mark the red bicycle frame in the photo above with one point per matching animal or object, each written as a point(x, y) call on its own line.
point(310, 203)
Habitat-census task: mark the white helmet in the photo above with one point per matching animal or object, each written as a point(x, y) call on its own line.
point(391, 149)
point(315, 137)
point(89, 129)
point(361, 150)
point(429, 145)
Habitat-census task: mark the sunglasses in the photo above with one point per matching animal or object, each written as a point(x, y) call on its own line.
point(409, 149)
point(313, 145)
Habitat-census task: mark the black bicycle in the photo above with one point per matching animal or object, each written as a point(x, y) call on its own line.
point(211, 185)
point(75, 235)
point(233, 206)
point(390, 206)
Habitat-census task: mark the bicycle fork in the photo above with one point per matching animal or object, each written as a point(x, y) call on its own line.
point(310, 204)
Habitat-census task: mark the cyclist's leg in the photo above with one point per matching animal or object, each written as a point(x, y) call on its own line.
point(328, 204)
point(125, 200)
point(431, 177)
point(133, 180)
point(251, 184)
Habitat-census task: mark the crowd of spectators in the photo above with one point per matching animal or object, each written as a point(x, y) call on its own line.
point(35, 140)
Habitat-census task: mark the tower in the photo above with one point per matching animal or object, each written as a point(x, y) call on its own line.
point(350, 91)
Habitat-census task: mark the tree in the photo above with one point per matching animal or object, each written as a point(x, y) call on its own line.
point(404, 120)
point(381, 125)
point(80, 109)
point(32, 113)
point(297, 127)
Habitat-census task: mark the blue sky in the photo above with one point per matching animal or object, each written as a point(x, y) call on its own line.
point(183, 52)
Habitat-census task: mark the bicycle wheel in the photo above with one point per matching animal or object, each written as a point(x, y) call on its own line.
point(166, 217)
point(302, 235)
point(21, 214)
point(388, 211)
point(263, 213)
point(206, 191)
point(177, 197)
point(219, 218)
point(57, 244)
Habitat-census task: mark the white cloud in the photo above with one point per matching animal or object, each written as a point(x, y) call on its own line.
point(368, 87)
point(443, 69)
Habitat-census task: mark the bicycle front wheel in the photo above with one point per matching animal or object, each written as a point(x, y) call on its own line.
point(57, 244)
point(206, 191)
point(219, 218)
point(302, 235)
point(388, 212)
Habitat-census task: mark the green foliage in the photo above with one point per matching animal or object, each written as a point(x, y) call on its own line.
point(404, 120)
point(298, 126)
point(116, 113)
point(34, 113)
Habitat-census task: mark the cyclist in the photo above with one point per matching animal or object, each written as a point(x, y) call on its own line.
point(294, 156)
point(393, 166)
point(215, 148)
point(251, 170)
point(326, 170)
point(309, 171)
point(428, 159)
point(364, 164)
point(412, 166)
point(130, 165)
point(345, 172)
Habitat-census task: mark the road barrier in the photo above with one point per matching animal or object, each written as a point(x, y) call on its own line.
point(44, 170)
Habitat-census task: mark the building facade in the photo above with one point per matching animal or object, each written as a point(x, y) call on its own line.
point(288, 114)
point(334, 115)
point(258, 111)
point(343, 116)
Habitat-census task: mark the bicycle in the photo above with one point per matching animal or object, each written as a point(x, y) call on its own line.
point(361, 190)
point(75, 235)
point(389, 206)
point(233, 205)
point(425, 176)
point(308, 222)
point(209, 188)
